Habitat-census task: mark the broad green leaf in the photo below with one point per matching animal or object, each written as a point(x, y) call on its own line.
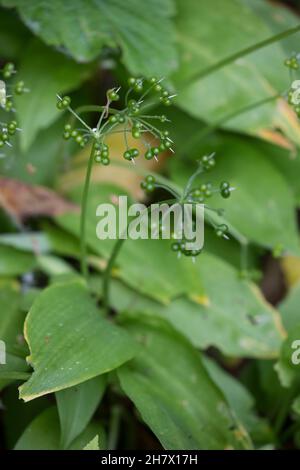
point(288, 365)
point(11, 328)
point(11, 317)
point(13, 35)
point(289, 308)
point(173, 392)
point(233, 316)
point(239, 84)
point(70, 341)
point(42, 160)
point(17, 415)
point(287, 162)
point(14, 262)
point(262, 206)
point(15, 369)
point(54, 265)
point(262, 381)
point(76, 406)
point(43, 433)
point(93, 444)
point(51, 239)
point(240, 401)
point(146, 265)
point(144, 33)
point(32, 242)
point(47, 73)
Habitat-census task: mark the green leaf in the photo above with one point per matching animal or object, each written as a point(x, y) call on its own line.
point(173, 392)
point(15, 262)
point(232, 315)
point(289, 308)
point(46, 73)
point(11, 318)
point(240, 401)
point(13, 35)
point(15, 369)
point(241, 83)
point(144, 32)
point(93, 444)
point(42, 159)
point(288, 365)
point(262, 206)
point(76, 406)
point(70, 341)
point(43, 433)
point(11, 328)
point(146, 265)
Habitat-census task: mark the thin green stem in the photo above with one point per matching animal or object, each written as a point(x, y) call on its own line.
point(107, 272)
point(168, 189)
point(243, 52)
point(83, 250)
point(79, 119)
point(284, 408)
point(114, 427)
point(91, 108)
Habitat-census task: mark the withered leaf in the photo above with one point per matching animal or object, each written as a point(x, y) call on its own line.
point(22, 201)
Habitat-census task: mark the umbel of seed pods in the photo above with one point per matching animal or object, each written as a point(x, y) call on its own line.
point(8, 129)
point(131, 119)
point(294, 92)
point(196, 195)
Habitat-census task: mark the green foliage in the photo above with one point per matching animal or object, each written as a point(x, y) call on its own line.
point(171, 389)
point(89, 25)
point(70, 341)
point(113, 344)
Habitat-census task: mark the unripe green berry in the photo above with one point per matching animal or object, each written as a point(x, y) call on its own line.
point(225, 193)
point(135, 132)
point(148, 155)
point(150, 179)
point(155, 151)
point(131, 81)
point(127, 155)
point(8, 70)
point(134, 153)
point(105, 161)
point(150, 187)
point(112, 95)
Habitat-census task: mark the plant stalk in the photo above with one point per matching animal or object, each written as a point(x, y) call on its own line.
point(83, 215)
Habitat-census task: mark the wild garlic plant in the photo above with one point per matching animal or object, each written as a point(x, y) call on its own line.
point(133, 118)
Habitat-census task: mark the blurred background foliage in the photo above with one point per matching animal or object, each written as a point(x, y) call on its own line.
point(246, 327)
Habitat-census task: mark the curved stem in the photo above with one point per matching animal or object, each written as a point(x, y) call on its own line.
point(114, 427)
point(243, 52)
point(168, 189)
point(94, 109)
point(83, 260)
